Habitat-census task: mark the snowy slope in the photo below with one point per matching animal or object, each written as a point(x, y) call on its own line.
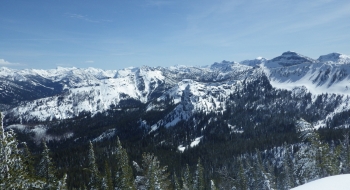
point(67, 92)
point(255, 62)
point(194, 96)
point(294, 70)
point(338, 182)
point(335, 58)
point(92, 95)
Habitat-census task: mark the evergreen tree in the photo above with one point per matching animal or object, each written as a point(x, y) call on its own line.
point(108, 177)
point(62, 184)
point(305, 167)
point(176, 182)
point(104, 185)
point(28, 160)
point(12, 169)
point(94, 182)
point(124, 175)
point(345, 154)
point(227, 182)
point(272, 176)
point(288, 178)
point(241, 178)
point(307, 158)
point(154, 176)
point(212, 185)
point(329, 164)
point(264, 179)
point(198, 181)
point(186, 179)
point(47, 169)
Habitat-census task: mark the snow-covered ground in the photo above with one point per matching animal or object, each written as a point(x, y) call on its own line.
point(338, 182)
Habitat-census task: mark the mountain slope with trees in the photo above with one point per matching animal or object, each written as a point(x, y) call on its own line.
point(248, 125)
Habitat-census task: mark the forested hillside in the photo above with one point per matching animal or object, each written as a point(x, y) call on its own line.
point(258, 124)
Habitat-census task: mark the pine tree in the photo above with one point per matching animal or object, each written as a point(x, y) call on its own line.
point(186, 179)
point(264, 179)
point(155, 177)
point(108, 177)
point(176, 182)
point(10, 162)
point(252, 173)
point(198, 181)
point(62, 184)
point(242, 180)
point(345, 153)
point(13, 170)
point(272, 176)
point(307, 159)
point(288, 178)
point(330, 162)
point(46, 169)
point(124, 175)
point(227, 182)
point(305, 166)
point(212, 185)
point(94, 182)
point(28, 159)
point(104, 185)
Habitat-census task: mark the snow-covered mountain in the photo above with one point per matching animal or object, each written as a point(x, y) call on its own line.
point(63, 93)
point(318, 76)
point(335, 58)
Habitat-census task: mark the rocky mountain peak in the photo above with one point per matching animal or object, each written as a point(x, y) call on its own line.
point(335, 58)
point(289, 58)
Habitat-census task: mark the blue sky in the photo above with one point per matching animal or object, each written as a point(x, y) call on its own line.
point(114, 34)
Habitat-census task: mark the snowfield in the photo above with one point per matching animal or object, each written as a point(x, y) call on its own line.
point(338, 182)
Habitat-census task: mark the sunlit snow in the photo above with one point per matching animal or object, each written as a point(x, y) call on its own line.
point(338, 182)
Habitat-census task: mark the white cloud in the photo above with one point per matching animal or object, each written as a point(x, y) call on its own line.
point(3, 62)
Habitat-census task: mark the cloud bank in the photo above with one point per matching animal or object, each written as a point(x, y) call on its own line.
point(3, 62)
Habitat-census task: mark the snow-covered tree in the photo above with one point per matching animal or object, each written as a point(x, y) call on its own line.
point(47, 169)
point(104, 185)
point(154, 177)
point(124, 176)
point(198, 181)
point(28, 160)
point(345, 154)
point(187, 179)
point(62, 184)
point(212, 185)
point(288, 168)
point(329, 162)
point(227, 181)
point(176, 182)
point(13, 171)
point(241, 177)
point(307, 158)
point(263, 178)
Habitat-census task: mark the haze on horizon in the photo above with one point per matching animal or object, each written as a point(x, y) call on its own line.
point(117, 34)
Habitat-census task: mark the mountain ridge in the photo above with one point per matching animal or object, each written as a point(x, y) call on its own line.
point(36, 96)
point(287, 71)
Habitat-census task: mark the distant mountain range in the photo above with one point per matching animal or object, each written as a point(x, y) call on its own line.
point(36, 96)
